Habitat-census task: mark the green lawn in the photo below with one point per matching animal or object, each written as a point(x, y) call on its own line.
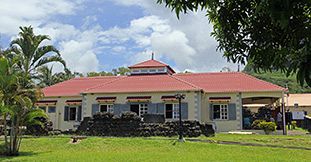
point(159, 149)
point(279, 140)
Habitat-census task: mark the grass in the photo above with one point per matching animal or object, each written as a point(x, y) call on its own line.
point(279, 140)
point(159, 149)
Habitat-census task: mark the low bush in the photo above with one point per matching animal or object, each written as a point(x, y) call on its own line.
point(255, 124)
point(268, 127)
point(40, 130)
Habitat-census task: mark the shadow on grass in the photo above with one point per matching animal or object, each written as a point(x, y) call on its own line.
point(21, 154)
point(249, 144)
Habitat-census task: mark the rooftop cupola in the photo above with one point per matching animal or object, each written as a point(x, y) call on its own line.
point(151, 67)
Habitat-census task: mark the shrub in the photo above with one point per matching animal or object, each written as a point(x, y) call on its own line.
point(264, 113)
point(40, 130)
point(255, 124)
point(268, 127)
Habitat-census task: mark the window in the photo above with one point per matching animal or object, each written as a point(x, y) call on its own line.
point(152, 70)
point(73, 113)
point(220, 111)
point(144, 70)
point(106, 108)
point(51, 109)
point(135, 71)
point(143, 109)
point(172, 111)
point(161, 70)
point(139, 109)
point(43, 108)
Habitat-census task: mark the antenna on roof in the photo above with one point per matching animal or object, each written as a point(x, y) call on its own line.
point(152, 56)
point(238, 67)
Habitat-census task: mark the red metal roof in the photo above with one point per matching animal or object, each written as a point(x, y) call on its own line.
point(208, 82)
point(74, 87)
point(228, 82)
point(151, 64)
point(144, 83)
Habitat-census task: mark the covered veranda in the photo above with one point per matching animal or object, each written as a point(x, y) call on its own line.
point(269, 104)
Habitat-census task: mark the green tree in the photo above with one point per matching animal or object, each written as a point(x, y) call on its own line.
point(271, 34)
point(45, 76)
point(114, 72)
point(15, 104)
point(32, 54)
point(66, 75)
point(18, 70)
point(121, 71)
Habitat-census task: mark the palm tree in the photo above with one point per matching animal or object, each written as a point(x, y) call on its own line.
point(45, 76)
point(32, 55)
point(15, 104)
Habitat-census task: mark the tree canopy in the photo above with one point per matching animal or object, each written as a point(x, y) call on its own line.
point(114, 72)
point(270, 34)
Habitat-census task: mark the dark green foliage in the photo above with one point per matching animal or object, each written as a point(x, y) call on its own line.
point(264, 113)
point(279, 78)
point(40, 130)
point(272, 35)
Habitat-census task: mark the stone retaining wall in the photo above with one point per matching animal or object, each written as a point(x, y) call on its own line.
point(129, 124)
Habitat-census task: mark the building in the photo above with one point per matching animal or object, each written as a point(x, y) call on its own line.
point(150, 88)
point(293, 102)
point(299, 102)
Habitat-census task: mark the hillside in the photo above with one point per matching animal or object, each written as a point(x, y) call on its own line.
point(281, 80)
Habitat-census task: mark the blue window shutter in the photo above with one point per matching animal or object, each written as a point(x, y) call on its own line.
point(184, 110)
point(95, 108)
point(79, 113)
point(120, 108)
point(232, 111)
point(160, 108)
point(152, 108)
point(211, 112)
point(66, 113)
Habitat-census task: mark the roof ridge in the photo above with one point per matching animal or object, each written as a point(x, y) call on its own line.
point(106, 83)
point(184, 81)
point(231, 72)
point(250, 76)
point(94, 77)
point(164, 64)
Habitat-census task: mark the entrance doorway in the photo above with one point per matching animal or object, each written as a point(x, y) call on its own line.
point(135, 108)
point(139, 109)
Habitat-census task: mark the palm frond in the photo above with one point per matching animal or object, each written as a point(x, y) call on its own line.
point(41, 51)
point(31, 117)
point(46, 60)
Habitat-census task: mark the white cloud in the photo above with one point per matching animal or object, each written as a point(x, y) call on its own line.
point(15, 13)
point(186, 41)
point(77, 46)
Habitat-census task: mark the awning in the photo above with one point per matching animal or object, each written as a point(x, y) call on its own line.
point(46, 102)
point(219, 99)
point(74, 102)
point(138, 98)
point(106, 99)
point(168, 98)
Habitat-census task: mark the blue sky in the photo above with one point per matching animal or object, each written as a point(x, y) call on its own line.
point(96, 35)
